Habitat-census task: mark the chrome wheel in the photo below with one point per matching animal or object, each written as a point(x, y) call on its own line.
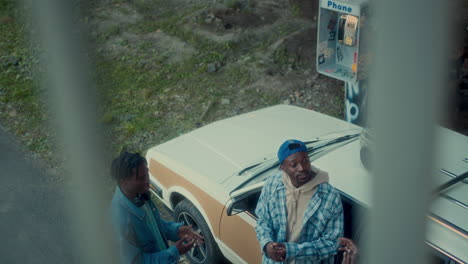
point(207, 253)
point(197, 253)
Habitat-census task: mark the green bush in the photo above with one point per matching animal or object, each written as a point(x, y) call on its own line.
point(7, 7)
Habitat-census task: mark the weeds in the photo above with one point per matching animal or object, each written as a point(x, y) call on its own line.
point(146, 99)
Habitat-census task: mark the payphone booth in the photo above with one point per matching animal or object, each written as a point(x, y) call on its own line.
point(342, 51)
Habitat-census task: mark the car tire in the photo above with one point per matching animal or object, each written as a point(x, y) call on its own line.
point(208, 253)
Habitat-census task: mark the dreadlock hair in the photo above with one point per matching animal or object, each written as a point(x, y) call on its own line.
point(125, 165)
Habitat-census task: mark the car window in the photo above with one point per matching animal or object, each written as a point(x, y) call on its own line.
point(252, 201)
point(438, 258)
point(247, 204)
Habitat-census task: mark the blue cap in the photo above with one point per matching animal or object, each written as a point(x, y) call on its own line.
point(290, 147)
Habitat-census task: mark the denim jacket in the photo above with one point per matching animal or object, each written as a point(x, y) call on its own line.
point(136, 241)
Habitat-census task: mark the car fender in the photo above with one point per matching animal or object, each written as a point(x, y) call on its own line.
point(191, 198)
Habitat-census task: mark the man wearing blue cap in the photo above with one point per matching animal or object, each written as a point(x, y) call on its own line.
point(300, 216)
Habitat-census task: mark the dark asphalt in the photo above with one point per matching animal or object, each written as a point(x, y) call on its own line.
point(33, 220)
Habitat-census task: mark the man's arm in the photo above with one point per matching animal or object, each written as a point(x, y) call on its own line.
point(327, 245)
point(131, 253)
point(170, 229)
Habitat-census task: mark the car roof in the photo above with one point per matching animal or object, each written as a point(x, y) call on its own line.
point(222, 148)
point(449, 208)
point(447, 223)
point(347, 173)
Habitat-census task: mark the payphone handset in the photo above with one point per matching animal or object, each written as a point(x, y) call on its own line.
point(338, 38)
point(347, 30)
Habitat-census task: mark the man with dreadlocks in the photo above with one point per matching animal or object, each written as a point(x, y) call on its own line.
point(142, 233)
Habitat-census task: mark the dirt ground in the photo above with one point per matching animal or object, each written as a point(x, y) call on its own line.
point(285, 67)
point(282, 70)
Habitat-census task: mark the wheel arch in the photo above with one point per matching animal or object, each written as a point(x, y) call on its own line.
point(176, 198)
point(177, 194)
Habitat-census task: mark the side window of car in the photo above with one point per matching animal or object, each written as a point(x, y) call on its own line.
point(252, 201)
point(247, 204)
point(438, 258)
point(354, 216)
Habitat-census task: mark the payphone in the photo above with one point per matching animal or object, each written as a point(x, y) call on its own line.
point(342, 49)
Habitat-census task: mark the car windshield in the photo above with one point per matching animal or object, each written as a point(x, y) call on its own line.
point(261, 171)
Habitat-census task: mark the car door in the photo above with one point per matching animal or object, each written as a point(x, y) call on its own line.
point(237, 226)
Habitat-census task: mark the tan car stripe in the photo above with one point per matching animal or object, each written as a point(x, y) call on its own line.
point(238, 235)
point(169, 178)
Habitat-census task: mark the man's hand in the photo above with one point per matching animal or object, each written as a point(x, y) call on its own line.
point(276, 251)
point(350, 250)
point(187, 231)
point(184, 245)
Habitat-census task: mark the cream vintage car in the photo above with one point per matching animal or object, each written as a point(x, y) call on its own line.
point(212, 177)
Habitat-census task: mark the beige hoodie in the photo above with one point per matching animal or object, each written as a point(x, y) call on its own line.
point(297, 200)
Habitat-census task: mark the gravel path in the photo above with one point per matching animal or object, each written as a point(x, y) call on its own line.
point(31, 211)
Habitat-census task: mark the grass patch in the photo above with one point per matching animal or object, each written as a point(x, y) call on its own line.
point(141, 106)
point(165, 103)
point(145, 99)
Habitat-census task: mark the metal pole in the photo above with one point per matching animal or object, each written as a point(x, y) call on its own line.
point(73, 102)
point(410, 47)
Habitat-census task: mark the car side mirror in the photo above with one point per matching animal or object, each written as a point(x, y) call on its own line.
point(366, 157)
point(237, 207)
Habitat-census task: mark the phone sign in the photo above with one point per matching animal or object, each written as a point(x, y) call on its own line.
point(333, 5)
point(343, 7)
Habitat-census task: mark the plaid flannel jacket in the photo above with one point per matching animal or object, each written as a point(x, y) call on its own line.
point(322, 226)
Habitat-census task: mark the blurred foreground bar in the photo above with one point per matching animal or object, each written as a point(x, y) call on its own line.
point(411, 47)
point(72, 99)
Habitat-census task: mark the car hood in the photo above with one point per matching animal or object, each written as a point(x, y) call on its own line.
point(221, 149)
